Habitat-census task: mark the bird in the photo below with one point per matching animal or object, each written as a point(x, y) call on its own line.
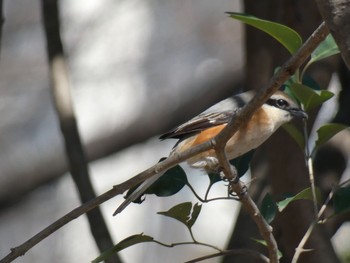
point(279, 109)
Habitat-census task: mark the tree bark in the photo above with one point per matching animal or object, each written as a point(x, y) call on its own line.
point(336, 14)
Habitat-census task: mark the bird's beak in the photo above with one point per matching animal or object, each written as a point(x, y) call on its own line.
point(299, 113)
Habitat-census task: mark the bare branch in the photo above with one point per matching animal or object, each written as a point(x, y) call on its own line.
point(242, 117)
point(64, 108)
point(88, 206)
point(248, 252)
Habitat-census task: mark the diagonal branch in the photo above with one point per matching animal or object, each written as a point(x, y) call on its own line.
point(218, 143)
point(64, 108)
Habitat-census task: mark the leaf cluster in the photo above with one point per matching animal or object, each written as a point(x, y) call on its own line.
point(304, 90)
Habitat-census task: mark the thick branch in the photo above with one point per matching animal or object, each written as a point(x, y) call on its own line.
point(336, 14)
point(64, 108)
point(242, 117)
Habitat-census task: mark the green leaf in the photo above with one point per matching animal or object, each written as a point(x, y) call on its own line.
point(288, 37)
point(327, 48)
point(310, 82)
point(195, 213)
point(268, 208)
point(327, 131)
point(304, 194)
point(125, 243)
point(295, 134)
point(242, 162)
point(309, 97)
point(170, 183)
point(182, 213)
point(341, 200)
point(214, 178)
point(260, 241)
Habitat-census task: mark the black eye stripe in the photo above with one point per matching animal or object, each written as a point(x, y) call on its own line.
point(279, 103)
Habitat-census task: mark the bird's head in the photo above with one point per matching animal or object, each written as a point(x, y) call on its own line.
point(282, 108)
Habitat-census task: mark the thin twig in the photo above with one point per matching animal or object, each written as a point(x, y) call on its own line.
point(281, 76)
point(310, 167)
point(250, 253)
point(300, 249)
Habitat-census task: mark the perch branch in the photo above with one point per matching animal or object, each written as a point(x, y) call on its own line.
point(243, 116)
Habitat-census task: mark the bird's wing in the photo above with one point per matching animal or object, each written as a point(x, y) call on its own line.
point(199, 123)
point(220, 113)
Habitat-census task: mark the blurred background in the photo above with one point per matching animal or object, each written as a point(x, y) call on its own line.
point(127, 59)
point(137, 68)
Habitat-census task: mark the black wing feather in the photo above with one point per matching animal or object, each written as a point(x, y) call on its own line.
point(197, 124)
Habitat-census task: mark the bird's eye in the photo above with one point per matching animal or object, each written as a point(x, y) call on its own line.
point(281, 103)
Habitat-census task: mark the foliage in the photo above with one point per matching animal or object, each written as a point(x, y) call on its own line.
point(290, 39)
point(308, 94)
point(341, 200)
point(186, 213)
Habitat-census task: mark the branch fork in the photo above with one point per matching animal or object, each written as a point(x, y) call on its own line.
point(218, 143)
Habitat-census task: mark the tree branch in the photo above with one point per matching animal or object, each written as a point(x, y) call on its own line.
point(242, 117)
point(221, 139)
point(250, 253)
point(64, 108)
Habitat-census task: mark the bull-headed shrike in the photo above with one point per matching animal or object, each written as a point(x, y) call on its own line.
point(277, 110)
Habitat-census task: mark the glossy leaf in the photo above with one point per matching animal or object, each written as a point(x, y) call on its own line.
point(327, 48)
point(295, 134)
point(170, 183)
point(288, 37)
point(268, 208)
point(305, 194)
point(194, 215)
point(288, 91)
point(125, 243)
point(341, 200)
point(242, 162)
point(310, 82)
point(214, 178)
point(308, 97)
point(327, 131)
point(183, 213)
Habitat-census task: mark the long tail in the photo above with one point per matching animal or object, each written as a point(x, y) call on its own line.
point(138, 192)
